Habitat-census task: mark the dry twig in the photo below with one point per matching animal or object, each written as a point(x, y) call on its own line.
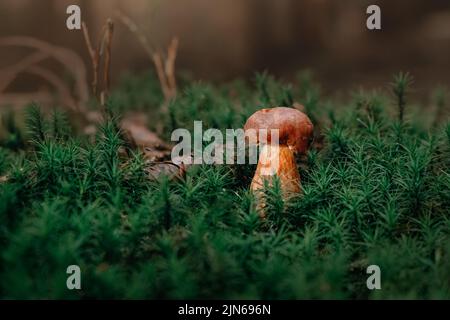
point(10, 73)
point(170, 66)
point(95, 57)
point(66, 57)
point(104, 44)
point(59, 85)
point(107, 42)
point(165, 69)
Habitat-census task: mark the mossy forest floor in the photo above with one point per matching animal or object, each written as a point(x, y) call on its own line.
point(376, 191)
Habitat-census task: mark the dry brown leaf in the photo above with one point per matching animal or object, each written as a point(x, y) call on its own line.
point(142, 137)
point(156, 170)
point(175, 169)
point(139, 136)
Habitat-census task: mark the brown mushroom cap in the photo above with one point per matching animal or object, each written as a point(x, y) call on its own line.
point(295, 128)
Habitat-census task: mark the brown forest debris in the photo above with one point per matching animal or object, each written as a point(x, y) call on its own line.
point(68, 58)
point(165, 68)
point(103, 48)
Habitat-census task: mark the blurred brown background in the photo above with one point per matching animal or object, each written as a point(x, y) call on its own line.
point(224, 39)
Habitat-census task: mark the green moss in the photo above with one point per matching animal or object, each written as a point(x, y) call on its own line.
point(376, 190)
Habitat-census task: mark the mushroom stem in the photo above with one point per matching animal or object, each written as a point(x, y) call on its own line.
point(277, 160)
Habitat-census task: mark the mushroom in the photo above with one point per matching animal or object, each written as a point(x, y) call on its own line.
point(294, 136)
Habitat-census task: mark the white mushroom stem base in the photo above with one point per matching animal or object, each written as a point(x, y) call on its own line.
point(276, 161)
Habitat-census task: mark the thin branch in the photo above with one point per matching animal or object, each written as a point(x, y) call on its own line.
point(165, 70)
point(159, 66)
point(8, 74)
point(87, 39)
point(107, 67)
point(95, 57)
point(52, 78)
point(170, 66)
point(68, 58)
point(148, 47)
point(103, 47)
